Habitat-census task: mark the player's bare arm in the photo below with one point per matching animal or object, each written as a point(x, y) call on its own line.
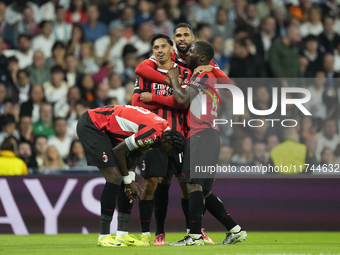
point(119, 153)
point(183, 97)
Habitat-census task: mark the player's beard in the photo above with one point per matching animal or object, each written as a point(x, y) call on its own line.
point(181, 50)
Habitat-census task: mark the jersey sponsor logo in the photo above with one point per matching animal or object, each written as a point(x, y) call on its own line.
point(162, 89)
point(105, 157)
point(198, 79)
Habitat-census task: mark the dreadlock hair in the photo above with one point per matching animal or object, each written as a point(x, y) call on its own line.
point(177, 139)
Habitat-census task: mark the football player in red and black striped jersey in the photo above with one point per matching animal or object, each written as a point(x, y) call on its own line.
point(203, 146)
point(158, 98)
point(126, 129)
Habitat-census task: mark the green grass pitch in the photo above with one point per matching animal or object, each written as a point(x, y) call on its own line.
point(325, 243)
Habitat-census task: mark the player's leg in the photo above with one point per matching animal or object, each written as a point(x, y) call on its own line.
point(124, 212)
point(146, 206)
point(97, 148)
point(215, 206)
point(161, 200)
point(108, 198)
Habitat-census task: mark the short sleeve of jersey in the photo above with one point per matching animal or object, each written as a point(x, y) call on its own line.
point(198, 80)
point(145, 137)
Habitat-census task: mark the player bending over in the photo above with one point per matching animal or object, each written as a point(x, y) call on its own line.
point(113, 135)
point(203, 146)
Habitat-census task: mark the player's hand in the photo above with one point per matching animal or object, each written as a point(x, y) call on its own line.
point(203, 69)
point(132, 190)
point(173, 73)
point(146, 97)
point(180, 79)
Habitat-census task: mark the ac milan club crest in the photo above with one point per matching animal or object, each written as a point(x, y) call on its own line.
point(143, 165)
point(105, 157)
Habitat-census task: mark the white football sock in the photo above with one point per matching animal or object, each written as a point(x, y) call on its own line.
point(235, 229)
point(103, 236)
point(122, 233)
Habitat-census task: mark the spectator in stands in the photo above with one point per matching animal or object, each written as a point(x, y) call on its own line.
point(25, 153)
point(328, 66)
point(116, 88)
point(58, 56)
point(301, 11)
point(272, 141)
point(2, 56)
point(328, 37)
point(89, 63)
point(61, 29)
point(311, 143)
point(45, 40)
point(219, 57)
point(263, 40)
point(87, 88)
point(244, 154)
point(261, 157)
point(9, 163)
point(53, 160)
point(8, 74)
point(127, 17)
point(303, 62)
point(14, 11)
point(280, 15)
point(94, 29)
point(337, 154)
point(316, 104)
point(31, 108)
point(76, 157)
point(110, 11)
point(3, 95)
point(312, 54)
point(327, 157)
point(60, 140)
point(336, 65)
point(328, 138)
point(314, 25)
point(8, 127)
point(130, 63)
point(45, 125)
point(204, 11)
point(261, 100)
point(72, 76)
point(224, 158)
point(24, 53)
point(110, 47)
point(39, 71)
point(222, 26)
point(176, 12)
point(20, 91)
point(203, 32)
point(161, 24)
point(142, 39)
point(76, 13)
point(290, 152)
point(259, 134)
point(66, 108)
point(57, 88)
point(25, 129)
point(77, 38)
point(129, 88)
point(80, 108)
point(284, 56)
point(102, 95)
point(12, 107)
point(27, 25)
point(6, 31)
point(252, 19)
point(307, 128)
point(245, 65)
point(47, 10)
point(144, 14)
point(40, 147)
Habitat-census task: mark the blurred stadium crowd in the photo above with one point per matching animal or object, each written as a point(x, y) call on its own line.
point(61, 57)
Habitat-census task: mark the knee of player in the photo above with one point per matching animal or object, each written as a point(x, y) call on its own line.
point(206, 193)
point(192, 187)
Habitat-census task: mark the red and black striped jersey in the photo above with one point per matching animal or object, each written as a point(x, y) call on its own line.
point(175, 117)
point(197, 120)
point(139, 127)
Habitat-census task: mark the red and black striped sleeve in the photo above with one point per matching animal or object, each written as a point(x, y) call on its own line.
point(147, 70)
